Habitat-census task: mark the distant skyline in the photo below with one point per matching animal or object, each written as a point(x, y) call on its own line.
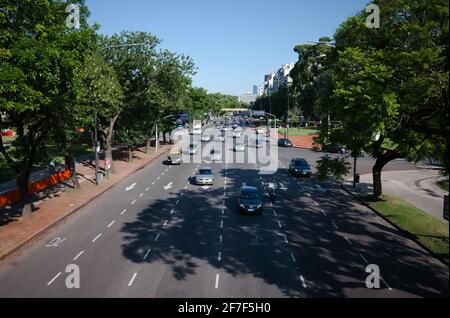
point(233, 43)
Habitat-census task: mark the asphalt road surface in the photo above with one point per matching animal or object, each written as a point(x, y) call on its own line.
point(166, 237)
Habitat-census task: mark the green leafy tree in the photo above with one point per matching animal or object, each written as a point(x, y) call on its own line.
point(100, 97)
point(395, 80)
point(38, 59)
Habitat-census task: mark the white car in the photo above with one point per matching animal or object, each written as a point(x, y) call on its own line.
point(197, 130)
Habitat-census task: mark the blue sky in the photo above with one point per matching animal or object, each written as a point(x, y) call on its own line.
point(233, 42)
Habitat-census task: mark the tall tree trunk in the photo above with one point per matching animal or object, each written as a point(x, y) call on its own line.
point(22, 180)
point(70, 164)
point(130, 153)
point(149, 139)
point(108, 154)
point(382, 159)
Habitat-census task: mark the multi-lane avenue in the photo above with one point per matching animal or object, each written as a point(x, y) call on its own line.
point(156, 234)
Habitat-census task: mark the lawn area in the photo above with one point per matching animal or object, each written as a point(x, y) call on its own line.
point(430, 231)
point(443, 185)
point(299, 131)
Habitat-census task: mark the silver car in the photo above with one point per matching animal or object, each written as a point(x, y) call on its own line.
point(205, 176)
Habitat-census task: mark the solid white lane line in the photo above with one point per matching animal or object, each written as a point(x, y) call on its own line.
point(96, 238)
point(110, 224)
point(132, 203)
point(363, 258)
point(54, 278)
point(303, 281)
point(78, 255)
point(165, 223)
point(279, 224)
point(140, 195)
point(217, 281)
point(219, 257)
point(389, 287)
point(132, 279)
point(146, 254)
point(123, 212)
point(293, 258)
point(220, 238)
point(335, 226)
point(348, 241)
point(156, 237)
point(146, 189)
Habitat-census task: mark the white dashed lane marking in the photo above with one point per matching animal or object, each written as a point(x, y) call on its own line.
point(96, 238)
point(293, 258)
point(156, 237)
point(303, 281)
point(217, 281)
point(78, 255)
point(53, 279)
point(363, 258)
point(110, 224)
point(132, 203)
point(146, 254)
point(123, 212)
point(132, 279)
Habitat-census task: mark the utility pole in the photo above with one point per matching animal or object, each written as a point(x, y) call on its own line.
point(287, 117)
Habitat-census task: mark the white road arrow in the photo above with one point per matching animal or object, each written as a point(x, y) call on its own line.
point(131, 187)
point(168, 186)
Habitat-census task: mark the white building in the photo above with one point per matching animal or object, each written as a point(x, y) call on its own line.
point(273, 81)
point(247, 98)
point(261, 90)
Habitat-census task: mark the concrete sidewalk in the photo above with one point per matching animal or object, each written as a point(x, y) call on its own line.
point(418, 187)
point(58, 202)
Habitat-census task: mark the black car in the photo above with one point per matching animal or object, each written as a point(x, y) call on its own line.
point(335, 148)
point(250, 200)
point(299, 167)
point(284, 143)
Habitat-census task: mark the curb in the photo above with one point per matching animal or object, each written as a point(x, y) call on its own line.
point(404, 232)
point(46, 229)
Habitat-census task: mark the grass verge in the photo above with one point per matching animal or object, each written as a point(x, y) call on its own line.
point(431, 232)
point(299, 131)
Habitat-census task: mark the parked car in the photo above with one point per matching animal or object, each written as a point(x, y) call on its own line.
point(335, 148)
point(250, 200)
point(299, 167)
point(284, 142)
point(205, 176)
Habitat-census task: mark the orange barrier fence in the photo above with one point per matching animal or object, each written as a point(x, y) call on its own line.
point(13, 196)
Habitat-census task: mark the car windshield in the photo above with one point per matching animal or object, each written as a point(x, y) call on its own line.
point(205, 172)
point(249, 194)
point(301, 163)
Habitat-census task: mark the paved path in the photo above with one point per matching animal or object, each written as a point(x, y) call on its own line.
point(415, 186)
